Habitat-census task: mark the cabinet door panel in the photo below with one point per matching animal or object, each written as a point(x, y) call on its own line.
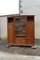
point(10, 33)
point(30, 32)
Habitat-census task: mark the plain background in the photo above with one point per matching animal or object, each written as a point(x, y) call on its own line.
point(29, 7)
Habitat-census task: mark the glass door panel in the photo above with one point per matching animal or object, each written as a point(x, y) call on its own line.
point(20, 24)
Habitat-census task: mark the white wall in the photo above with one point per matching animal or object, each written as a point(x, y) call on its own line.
point(32, 7)
point(0, 28)
point(3, 25)
point(9, 7)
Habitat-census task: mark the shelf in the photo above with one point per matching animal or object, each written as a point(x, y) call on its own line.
point(20, 35)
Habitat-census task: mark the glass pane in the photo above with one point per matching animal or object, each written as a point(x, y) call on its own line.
point(20, 26)
point(30, 19)
point(10, 19)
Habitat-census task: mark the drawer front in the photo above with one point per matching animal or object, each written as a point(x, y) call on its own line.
point(20, 41)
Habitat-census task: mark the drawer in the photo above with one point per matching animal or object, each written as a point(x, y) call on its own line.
point(20, 40)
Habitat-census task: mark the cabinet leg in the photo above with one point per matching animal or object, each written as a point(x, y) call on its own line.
point(8, 45)
point(34, 47)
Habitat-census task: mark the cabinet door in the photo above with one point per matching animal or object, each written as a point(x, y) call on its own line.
point(20, 24)
point(11, 30)
point(30, 31)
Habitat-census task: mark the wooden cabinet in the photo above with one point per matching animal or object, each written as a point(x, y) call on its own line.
point(21, 30)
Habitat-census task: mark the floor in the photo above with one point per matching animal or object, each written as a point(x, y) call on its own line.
point(18, 53)
point(6, 56)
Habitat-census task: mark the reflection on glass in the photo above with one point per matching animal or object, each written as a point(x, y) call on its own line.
point(20, 26)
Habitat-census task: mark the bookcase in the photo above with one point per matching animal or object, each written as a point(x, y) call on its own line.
point(21, 30)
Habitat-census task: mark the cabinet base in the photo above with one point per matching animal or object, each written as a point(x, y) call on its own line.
point(25, 45)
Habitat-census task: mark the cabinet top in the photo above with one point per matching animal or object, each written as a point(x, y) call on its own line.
point(16, 15)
